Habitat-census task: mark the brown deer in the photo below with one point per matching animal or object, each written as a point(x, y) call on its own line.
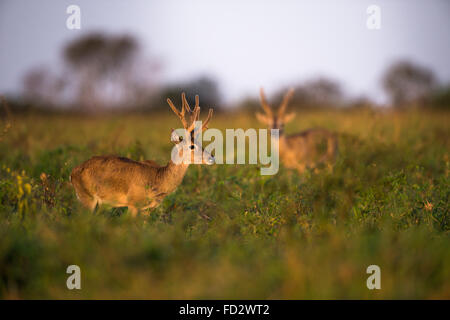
point(306, 149)
point(140, 185)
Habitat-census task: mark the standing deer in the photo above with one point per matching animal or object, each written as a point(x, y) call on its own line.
point(140, 185)
point(306, 149)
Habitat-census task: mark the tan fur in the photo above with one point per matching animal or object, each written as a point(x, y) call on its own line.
point(308, 149)
point(304, 150)
point(138, 185)
point(121, 182)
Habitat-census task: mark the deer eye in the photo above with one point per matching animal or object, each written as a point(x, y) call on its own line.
point(192, 147)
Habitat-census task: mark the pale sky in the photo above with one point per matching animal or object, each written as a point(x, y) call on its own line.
point(243, 44)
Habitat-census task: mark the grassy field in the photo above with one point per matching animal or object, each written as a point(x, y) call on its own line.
point(228, 232)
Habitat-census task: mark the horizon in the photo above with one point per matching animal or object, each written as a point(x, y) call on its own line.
point(238, 47)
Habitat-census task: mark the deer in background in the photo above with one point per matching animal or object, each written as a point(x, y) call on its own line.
point(140, 185)
point(302, 150)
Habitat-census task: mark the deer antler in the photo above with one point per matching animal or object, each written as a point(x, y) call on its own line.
point(178, 113)
point(287, 97)
point(264, 103)
point(195, 114)
point(205, 123)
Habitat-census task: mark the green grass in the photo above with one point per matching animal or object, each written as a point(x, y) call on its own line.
point(228, 232)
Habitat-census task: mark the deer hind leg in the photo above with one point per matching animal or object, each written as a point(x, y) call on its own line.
point(88, 201)
point(328, 163)
point(84, 197)
point(301, 168)
point(330, 167)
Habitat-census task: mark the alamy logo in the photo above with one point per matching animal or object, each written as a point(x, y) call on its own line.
point(374, 281)
point(374, 20)
point(74, 280)
point(74, 20)
point(191, 150)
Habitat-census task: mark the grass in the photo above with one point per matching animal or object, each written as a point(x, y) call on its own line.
point(228, 232)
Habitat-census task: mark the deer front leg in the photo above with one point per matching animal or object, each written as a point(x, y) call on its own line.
point(152, 205)
point(330, 167)
point(133, 211)
point(301, 168)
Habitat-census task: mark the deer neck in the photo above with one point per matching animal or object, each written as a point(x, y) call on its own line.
point(172, 175)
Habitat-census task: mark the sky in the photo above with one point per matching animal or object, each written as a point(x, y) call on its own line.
point(242, 44)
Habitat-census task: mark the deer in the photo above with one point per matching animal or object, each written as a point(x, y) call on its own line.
point(303, 150)
point(141, 185)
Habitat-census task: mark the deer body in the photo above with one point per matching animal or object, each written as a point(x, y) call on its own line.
point(306, 149)
point(138, 185)
point(121, 182)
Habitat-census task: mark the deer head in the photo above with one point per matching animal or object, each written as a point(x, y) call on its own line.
point(275, 120)
point(188, 145)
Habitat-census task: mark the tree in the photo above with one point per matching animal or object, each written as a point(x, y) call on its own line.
point(323, 92)
point(42, 88)
point(103, 66)
point(440, 98)
point(206, 87)
point(320, 92)
point(407, 83)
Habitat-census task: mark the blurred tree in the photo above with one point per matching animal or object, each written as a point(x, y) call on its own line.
point(250, 104)
point(105, 67)
point(440, 98)
point(408, 84)
point(318, 93)
point(361, 102)
point(323, 92)
point(206, 87)
point(42, 88)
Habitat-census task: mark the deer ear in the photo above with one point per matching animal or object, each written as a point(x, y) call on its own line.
point(262, 118)
point(174, 137)
point(289, 117)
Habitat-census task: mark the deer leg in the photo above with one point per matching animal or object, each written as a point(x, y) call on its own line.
point(151, 206)
point(301, 168)
point(87, 201)
point(133, 211)
point(92, 206)
point(330, 167)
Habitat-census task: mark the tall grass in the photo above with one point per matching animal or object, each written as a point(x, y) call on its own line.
point(228, 232)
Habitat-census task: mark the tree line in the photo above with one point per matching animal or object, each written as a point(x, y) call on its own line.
point(106, 72)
